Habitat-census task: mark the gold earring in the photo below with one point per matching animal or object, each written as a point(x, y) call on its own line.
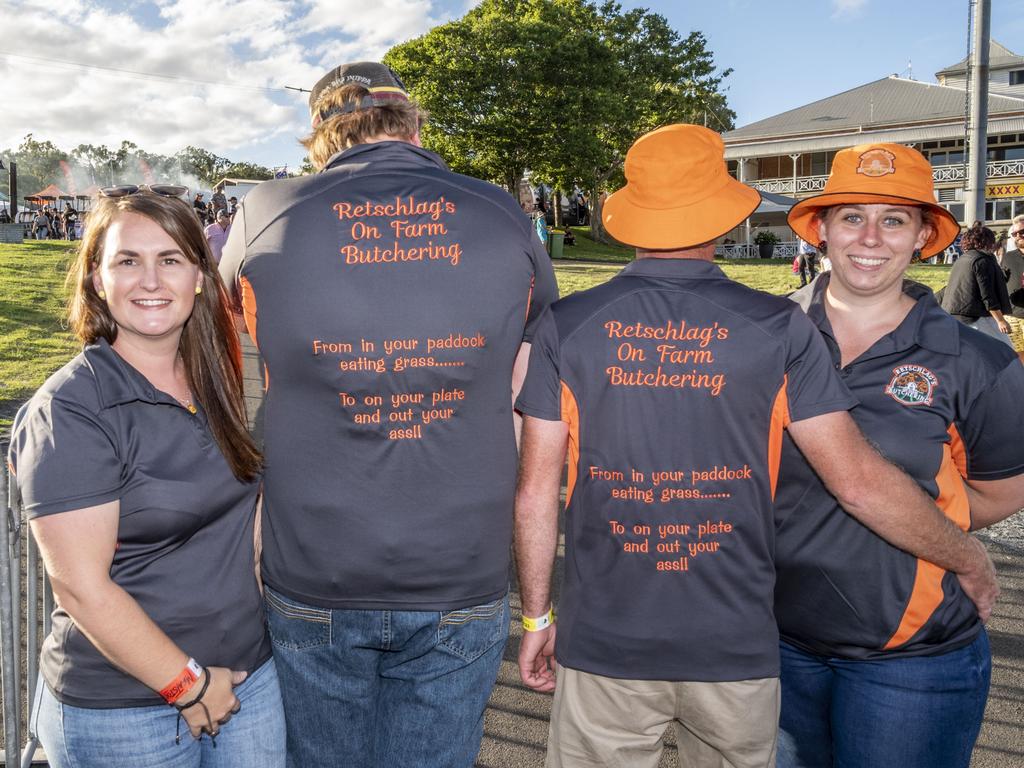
point(102, 294)
point(199, 289)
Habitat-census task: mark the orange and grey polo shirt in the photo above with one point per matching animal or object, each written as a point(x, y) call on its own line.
point(677, 384)
point(943, 402)
point(388, 297)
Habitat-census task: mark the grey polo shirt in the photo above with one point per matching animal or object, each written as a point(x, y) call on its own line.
point(677, 385)
point(97, 431)
point(388, 297)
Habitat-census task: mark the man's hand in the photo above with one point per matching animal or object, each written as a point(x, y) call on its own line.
point(537, 659)
point(979, 582)
point(536, 541)
point(870, 488)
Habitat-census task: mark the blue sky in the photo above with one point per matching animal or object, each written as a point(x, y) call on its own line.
point(784, 54)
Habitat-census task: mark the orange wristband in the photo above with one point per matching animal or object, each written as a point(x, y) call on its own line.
point(185, 679)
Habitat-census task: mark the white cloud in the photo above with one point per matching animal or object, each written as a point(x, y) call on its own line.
point(847, 7)
point(237, 43)
point(371, 26)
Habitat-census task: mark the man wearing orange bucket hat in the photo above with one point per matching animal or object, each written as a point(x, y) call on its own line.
point(873, 638)
point(670, 387)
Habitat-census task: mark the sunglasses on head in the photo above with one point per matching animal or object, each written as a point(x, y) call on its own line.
point(164, 190)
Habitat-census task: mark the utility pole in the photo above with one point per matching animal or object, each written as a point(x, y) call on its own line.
point(977, 128)
point(12, 188)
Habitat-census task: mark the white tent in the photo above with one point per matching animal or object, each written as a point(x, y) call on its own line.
point(772, 203)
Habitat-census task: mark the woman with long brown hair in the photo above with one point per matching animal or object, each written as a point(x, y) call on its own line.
point(140, 480)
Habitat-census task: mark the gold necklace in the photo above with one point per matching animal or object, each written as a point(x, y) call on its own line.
point(187, 403)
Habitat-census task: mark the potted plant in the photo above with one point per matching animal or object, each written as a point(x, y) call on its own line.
point(766, 241)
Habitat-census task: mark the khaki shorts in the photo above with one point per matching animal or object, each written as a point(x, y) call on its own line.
point(603, 721)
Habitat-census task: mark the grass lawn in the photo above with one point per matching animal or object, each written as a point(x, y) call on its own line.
point(769, 275)
point(34, 343)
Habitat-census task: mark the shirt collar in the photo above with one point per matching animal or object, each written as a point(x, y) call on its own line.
point(927, 325)
point(692, 269)
point(401, 151)
point(117, 381)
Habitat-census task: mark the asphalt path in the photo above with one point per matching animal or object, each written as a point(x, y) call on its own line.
point(516, 723)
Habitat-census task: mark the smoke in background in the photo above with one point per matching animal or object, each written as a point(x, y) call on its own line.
point(80, 171)
point(128, 169)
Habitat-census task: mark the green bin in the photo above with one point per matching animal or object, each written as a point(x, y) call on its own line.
point(555, 242)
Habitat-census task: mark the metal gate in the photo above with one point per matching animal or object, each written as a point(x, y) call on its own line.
point(26, 603)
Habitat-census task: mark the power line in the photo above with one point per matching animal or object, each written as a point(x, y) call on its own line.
point(146, 75)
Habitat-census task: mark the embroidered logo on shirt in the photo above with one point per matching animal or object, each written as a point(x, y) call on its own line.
point(877, 162)
point(912, 385)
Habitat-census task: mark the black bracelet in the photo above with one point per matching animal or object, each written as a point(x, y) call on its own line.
point(196, 700)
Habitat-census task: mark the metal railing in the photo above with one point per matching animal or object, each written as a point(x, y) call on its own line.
point(999, 169)
point(21, 626)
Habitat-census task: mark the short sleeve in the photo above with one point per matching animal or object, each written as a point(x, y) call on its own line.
point(63, 458)
point(232, 256)
point(545, 288)
point(991, 429)
point(812, 386)
point(541, 395)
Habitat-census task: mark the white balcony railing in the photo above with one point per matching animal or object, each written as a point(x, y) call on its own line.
point(1002, 169)
point(786, 249)
point(785, 186)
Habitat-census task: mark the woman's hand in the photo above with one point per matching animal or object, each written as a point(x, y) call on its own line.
point(217, 705)
point(1004, 327)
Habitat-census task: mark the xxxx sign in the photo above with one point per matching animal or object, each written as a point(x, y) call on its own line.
point(1004, 190)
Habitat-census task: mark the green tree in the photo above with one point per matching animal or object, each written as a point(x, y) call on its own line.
point(41, 163)
point(38, 165)
point(661, 79)
point(204, 165)
point(504, 81)
point(248, 171)
point(97, 163)
point(559, 87)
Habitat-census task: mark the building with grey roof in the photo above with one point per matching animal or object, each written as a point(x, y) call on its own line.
point(791, 153)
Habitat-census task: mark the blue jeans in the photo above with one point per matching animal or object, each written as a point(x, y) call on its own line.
point(920, 712)
point(143, 737)
point(385, 688)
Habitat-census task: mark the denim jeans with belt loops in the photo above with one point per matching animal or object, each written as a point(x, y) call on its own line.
point(906, 712)
point(366, 688)
point(144, 737)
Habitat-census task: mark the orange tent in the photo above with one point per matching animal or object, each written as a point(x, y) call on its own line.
point(51, 192)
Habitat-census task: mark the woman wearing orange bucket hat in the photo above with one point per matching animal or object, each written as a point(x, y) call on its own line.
point(885, 661)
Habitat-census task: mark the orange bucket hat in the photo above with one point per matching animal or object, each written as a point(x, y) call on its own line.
point(678, 192)
point(877, 173)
